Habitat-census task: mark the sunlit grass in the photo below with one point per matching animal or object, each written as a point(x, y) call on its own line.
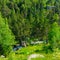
point(24, 53)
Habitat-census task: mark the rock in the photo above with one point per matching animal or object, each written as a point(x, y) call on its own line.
point(2, 56)
point(35, 56)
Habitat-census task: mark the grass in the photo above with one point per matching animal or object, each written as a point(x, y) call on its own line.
point(24, 53)
point(29, 50)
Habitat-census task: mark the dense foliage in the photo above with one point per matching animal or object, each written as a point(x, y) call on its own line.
point(6, 37)
point(30, 20)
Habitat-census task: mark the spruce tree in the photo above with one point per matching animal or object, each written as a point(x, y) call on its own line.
point(7, 39)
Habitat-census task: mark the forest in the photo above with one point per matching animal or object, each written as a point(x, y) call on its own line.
point(29, 27)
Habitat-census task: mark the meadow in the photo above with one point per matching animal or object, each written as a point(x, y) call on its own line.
point(25, 52)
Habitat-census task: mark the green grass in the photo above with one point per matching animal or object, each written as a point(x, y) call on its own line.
point(24, 53)
point(38, 59)
point(30, 49)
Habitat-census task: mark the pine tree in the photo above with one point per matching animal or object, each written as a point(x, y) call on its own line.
point(6, 37)
point(54, 36)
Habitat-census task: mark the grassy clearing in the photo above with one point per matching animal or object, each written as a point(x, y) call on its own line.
point(24, 53)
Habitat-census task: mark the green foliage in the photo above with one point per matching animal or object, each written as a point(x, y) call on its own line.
point(6, 37)
point(29, 18)
point(33, 19)
point(56, 17)
point(54, 35)
point(15, 56)
point(30, 49)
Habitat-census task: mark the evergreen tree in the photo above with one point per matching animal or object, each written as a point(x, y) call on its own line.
point(54, 36)
point(6, 37)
